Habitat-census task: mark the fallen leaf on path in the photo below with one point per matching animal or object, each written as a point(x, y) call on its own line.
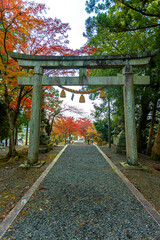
point(43, 188)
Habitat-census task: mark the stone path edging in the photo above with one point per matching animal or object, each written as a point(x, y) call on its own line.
point(19, 206)
point(148, 207)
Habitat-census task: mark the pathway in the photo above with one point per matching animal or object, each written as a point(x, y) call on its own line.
point(81, 198)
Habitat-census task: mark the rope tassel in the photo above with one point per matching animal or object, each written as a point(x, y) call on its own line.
point(63, 94)
point(102, 94)
point(82, 99)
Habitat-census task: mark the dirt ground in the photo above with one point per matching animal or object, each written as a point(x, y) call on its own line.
point(15, 181)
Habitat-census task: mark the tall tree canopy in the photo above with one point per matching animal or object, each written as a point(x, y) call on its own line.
point(122, 26)
point(126, 26)
point(125, 15)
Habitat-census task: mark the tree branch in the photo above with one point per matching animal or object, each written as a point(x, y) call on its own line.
point(132, 29)
point(140, 10)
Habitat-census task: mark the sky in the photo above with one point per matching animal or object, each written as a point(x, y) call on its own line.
point(72, 12)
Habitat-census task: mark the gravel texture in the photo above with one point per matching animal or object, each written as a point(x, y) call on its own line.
point(146, 181)
point(83, 198)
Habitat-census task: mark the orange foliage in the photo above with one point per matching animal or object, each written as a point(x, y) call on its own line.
point(65, 126)
point(24, 29)
point(92, 133)
point(83, 125)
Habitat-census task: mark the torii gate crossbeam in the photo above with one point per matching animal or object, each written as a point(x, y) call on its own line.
point(127, 80)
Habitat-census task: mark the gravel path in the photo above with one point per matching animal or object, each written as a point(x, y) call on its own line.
point(83, 198)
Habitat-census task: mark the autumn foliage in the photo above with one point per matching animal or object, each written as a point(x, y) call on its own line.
point(64, 127)
point(24, 29)
point(92, 133)
point(83, 125)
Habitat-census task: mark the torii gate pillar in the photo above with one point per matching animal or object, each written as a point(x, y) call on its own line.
point(35, 117)
point(129, 111)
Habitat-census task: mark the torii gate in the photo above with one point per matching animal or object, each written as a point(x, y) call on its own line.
point(128, 79)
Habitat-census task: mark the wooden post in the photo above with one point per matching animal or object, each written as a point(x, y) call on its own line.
point(35, 117)
point(129, 110)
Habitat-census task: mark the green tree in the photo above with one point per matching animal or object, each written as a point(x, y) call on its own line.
point(125, 26)
point(102, 128)
point(125, 15)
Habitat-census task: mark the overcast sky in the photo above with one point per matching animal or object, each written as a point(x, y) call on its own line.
point(72, 12)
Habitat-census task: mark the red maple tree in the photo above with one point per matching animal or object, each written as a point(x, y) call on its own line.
point(24, 29)
point(65, 126)
point(83, 125)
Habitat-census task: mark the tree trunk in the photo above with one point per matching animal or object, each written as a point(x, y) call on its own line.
point(12, 150)
point(16, 137)
point(26, 135)
point(12, 117)
point(156, 146)
point(142, 125)
point(149, 144)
